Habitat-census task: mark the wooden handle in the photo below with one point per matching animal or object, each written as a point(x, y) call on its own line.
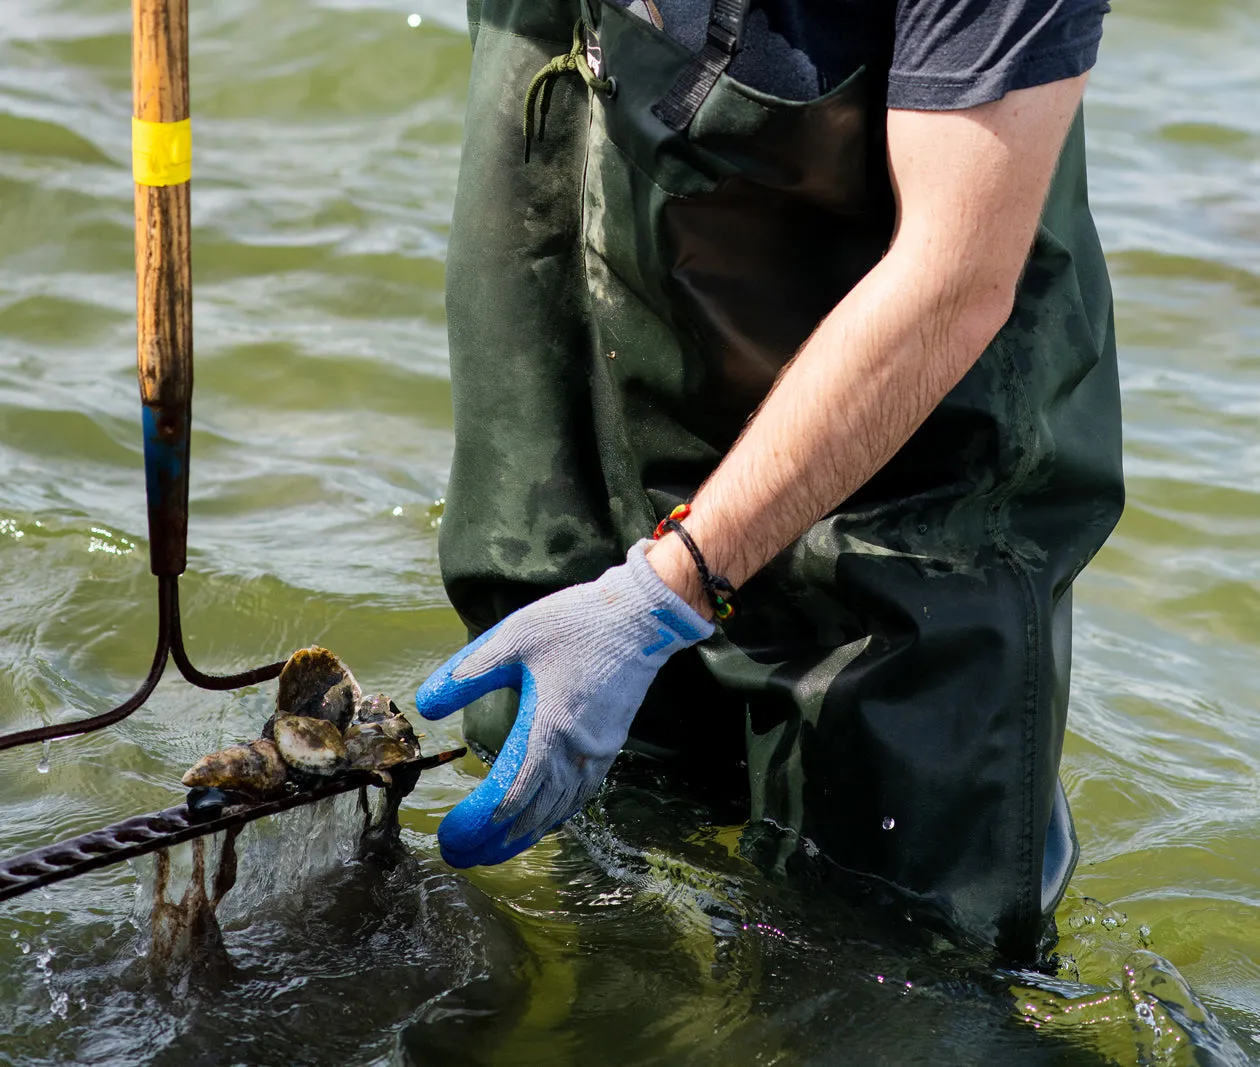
point(162, 154)
point(159, 79)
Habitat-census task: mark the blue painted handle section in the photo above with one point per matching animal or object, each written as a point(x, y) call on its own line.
point(166, 431)
point(164, 462)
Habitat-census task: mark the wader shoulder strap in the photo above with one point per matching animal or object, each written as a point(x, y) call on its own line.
point(725, 36)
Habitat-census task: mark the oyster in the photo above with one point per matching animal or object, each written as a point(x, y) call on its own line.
point(376, 708)
point(370, 748)
point(397, 727)
point(310, 745)
point(316, 684)
point(323, 725)
point(255, 769)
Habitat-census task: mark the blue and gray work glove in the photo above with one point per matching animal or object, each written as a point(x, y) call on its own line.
point(582, 660)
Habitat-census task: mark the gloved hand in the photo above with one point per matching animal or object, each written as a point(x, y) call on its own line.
point(582, 660)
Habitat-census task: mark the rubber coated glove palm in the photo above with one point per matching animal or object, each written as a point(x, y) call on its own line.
point(582, 660)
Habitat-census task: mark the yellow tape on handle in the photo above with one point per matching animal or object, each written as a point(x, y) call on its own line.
point(161, 152)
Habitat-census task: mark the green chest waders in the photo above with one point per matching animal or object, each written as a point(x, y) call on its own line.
point(621, 300)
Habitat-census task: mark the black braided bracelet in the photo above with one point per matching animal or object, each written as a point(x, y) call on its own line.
point(719, 592)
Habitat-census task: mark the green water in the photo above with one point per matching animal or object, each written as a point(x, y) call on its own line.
point(327, 143)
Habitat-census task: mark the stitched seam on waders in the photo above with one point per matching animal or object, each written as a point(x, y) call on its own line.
point(586, 246)
point(1019, 477)
point(670, 318)
point(592, 326)
point(630, 161)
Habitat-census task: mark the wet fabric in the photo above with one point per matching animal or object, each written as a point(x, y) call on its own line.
point(944, 53)
point(894, 690)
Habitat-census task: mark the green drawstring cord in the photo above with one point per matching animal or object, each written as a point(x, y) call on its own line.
point(540, 86)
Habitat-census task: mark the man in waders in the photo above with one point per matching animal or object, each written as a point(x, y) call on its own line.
point(826, 273)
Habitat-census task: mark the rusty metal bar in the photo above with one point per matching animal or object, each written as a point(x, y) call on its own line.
point(143, 834)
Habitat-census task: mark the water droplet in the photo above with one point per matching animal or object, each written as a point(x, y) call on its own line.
point(25, 947)
point(414, 20)
point(397, 511)
point(13, 935)
point(44, 766)
point(889, 822)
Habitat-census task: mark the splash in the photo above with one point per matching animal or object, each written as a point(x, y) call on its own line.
point(262, 865)
point(187, 942)
point(1142, 1011)
point(1152, 1017)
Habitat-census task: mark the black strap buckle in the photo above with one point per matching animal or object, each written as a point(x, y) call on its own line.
point(697, 78)
point(726, 25)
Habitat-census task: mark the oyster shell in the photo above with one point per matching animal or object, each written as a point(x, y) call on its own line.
point(255, 768)
point(316, 684)
point(375, 708)
point(397, 727)
point(310, 745)
point(369, 748)
point(323, 725)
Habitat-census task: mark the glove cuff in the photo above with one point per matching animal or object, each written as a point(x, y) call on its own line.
point(688, 623)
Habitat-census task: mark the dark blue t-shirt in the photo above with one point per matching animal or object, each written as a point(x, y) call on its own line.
point(941, 54)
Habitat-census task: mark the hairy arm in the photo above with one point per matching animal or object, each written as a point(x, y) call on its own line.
point(970, 186)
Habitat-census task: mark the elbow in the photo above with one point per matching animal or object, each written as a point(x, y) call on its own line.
point(979, 308)
point(962, 299)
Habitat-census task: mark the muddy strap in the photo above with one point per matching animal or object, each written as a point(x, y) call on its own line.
point(696, 81)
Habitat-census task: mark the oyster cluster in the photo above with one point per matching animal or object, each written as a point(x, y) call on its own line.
point(323, 726)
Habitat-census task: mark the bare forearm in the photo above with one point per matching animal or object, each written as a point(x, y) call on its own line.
point(970, 187)
point(867, 378)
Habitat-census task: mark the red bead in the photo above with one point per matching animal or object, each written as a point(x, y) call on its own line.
point(678, 514)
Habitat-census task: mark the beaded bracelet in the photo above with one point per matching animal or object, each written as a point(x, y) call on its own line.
point(719, 592)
